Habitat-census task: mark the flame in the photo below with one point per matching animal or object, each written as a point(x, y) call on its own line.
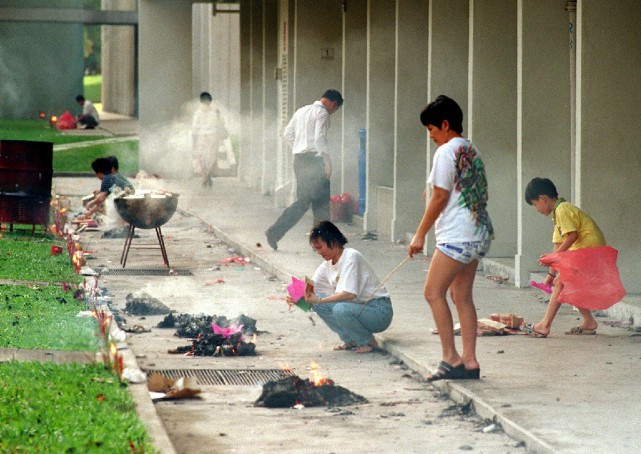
point(42, 115)
point(113, 349)
point(62, 210)
point(253, 339)
point(317, 376)
point(54, 118)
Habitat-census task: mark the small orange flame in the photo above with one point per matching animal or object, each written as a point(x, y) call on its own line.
point(62, 210)
point(317, 376)
point(54, 118)
point(42, 115)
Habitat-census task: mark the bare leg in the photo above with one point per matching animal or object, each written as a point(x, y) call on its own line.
point(461, 290)
point(589, 322)
point(442, 272)
point(545, 324)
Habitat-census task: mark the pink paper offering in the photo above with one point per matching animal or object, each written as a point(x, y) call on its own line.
point(296, 289)
point(226, 332)
point(541, 286)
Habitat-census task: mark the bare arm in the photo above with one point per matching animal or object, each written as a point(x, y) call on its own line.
point(435, 206)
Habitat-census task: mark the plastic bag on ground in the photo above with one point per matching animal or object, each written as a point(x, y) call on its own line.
point(590, 277)
point(66, 121)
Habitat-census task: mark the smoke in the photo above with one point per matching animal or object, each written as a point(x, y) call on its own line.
point(167, 150)
point(10, 92)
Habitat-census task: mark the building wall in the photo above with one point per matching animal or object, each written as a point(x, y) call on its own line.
point(608, 100)
point(41, 68)
point(410, 143)
point(543, 122)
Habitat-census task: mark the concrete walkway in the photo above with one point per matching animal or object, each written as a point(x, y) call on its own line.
point(560, 394)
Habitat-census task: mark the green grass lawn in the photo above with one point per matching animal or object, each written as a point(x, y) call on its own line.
point(24, 256)
point(74, 160)
point(44, 318)
point(79, 159)
point(37, 130)
point(46, 407)
point(92, 86)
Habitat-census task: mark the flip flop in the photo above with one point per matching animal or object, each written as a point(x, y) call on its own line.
point(344, 347)
point(528, 328)
point(578, 331)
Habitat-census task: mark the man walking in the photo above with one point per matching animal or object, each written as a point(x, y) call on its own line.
point(306, 134)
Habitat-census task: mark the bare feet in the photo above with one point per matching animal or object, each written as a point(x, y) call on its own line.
point(367, 348)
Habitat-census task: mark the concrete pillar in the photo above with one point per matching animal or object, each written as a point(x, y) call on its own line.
point(354, 91)
point(448, 65)
point(381, 64)
point(492, 111)
point(410, 159)
point(270, 101)
point(255, 155)
point(284, 87)
point(119, 63)
point(608, 100)
point(543, 122)
point(164, 36)
point(246, 92)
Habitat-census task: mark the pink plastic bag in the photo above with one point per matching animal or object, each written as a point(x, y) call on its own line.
point(590, 277)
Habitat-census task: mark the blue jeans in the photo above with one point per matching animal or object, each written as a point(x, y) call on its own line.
point(343, 318)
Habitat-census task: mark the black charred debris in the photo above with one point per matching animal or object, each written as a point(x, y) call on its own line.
point(290, 391)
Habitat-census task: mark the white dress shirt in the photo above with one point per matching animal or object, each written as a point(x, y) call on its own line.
point(307, 130)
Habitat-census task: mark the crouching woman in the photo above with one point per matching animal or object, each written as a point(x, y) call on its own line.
point(347, 295)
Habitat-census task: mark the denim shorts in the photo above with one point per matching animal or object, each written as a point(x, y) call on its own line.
point(465, 252)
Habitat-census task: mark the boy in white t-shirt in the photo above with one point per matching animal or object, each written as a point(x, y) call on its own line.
point(347, 295)
point(458, 210)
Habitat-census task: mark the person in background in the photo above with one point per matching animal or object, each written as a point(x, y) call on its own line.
point(347, 295)
point(208, 133)
point(306, 134)
point(110, 182)
point(89, 117)
point(458, 209)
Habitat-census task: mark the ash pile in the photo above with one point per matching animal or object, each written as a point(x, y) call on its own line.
point(213, 335)
point(291, 391)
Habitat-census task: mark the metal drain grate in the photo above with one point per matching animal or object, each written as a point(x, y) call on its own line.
point(237, 377)
point(146, 272)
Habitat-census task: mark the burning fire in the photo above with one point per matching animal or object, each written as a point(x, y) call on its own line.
point(54, 119)
point(317, 376)
point(42, 115)
point(253, 339)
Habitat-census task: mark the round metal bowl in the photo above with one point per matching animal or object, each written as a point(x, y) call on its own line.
point(147, 211)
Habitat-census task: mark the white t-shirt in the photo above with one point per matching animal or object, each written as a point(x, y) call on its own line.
point(307, 130)
point(350, 274)
point(458, 168)
point(89, 109)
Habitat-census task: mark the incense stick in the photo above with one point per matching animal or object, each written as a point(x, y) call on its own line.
point(391, 273)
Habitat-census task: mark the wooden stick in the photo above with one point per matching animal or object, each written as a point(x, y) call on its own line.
point(391, 273)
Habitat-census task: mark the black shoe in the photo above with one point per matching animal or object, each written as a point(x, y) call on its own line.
point(273, 243)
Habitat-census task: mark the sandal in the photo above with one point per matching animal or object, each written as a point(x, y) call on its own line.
point(364, 349)
point(528, 328)
point(344, 347)
point(446, 371)
point(578, 331)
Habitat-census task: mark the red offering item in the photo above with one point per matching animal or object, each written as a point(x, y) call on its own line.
point(590, 277)
point(66, 121)
point(55, 250)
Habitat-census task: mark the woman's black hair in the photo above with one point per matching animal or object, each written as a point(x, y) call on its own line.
point(443, 108)
point(329, 233)
point(205, 97)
